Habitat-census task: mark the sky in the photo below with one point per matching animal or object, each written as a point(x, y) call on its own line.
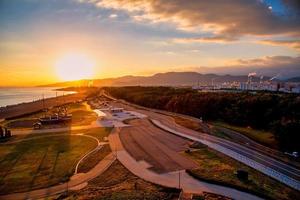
point(144, 37)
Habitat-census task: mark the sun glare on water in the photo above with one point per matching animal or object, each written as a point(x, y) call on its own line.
point(74, 67)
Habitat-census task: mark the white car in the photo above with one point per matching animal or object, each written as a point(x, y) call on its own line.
point(295, 154)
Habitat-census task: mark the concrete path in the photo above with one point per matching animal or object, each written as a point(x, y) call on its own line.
point(88, 153)
point(241, 138)
point(275, 168)
point(171, 179)
point(76, 182)
point(99, 144)
point(237, 156)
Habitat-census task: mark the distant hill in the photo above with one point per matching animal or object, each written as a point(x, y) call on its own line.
point(160, 79)
point(295, 79)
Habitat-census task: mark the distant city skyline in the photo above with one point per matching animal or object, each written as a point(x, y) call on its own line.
point(113, 38)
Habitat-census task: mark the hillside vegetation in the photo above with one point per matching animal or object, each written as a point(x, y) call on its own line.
point(277, 113)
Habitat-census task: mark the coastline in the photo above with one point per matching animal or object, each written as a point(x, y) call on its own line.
point(21, 109)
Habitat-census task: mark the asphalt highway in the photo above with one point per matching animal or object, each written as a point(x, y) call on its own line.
point(243, 150)
point(157, 147)
point(256, 155)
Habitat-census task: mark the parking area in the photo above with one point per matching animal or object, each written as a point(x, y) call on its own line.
point(110, 116)
point(161, 150)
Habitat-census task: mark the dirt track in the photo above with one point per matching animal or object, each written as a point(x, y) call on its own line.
point(160, 149)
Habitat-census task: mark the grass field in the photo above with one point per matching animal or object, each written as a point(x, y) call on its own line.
point(99, 133)
point(216, 167)
point(263, 137)
point(117, 183)
point(196, 126)
point(37, 161)
point(260, 136)
point(81, 114)
point(92, 160)
point(188, 123)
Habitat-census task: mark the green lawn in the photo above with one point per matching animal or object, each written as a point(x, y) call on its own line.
point(40, 162)
point(99, 133)
point(260, 136)
point(216, 167)
point(81, 114)
point(196, 126)
point(93, 159)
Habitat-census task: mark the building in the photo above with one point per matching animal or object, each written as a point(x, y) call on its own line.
point(296, 90)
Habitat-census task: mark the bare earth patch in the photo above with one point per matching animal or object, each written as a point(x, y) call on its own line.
point(118, 183)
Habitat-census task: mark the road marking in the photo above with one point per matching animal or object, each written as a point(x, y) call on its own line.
point(258, 166)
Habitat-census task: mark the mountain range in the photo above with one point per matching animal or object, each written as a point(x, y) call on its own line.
point(161, 79)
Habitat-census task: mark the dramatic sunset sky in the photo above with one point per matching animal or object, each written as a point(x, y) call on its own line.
point(45, 41)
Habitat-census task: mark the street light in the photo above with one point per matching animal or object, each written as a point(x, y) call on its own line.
point(179, 185)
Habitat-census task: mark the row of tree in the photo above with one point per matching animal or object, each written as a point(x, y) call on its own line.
point(278, 113)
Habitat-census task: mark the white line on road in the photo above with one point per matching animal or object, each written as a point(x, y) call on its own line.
point(258, 166)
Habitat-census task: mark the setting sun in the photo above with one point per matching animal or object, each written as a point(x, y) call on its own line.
point(74, 67)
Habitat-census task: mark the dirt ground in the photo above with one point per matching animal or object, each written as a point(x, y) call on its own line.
point(118, 183)
point(159, 148)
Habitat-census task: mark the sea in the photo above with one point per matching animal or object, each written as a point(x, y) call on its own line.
point(16, 95)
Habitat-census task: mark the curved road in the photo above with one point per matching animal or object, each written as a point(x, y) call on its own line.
point(244, 155)
point(76, 181)
point(170, 179)
point(268, 165)
point(236, 136)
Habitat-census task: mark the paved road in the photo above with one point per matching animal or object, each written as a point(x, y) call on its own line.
point(143, 141)
point(170, 179)
point(237, 137)
point(240, 153)
point(243, 140)
point(54, 130)
point(79, 179)
point(242, 149)
point(291, 174)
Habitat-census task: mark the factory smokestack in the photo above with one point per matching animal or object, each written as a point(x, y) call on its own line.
point(250, 75)
point(261, 79)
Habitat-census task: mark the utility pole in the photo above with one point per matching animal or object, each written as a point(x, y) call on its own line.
point(174, 124)
point(179, 185)
point(116, 152)
point(44, 106)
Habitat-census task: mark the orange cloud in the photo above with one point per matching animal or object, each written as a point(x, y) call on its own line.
point(216, 39)
point(295, 44)
point(229, 19)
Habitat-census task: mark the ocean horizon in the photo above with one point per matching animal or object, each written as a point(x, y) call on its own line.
point(17, 95)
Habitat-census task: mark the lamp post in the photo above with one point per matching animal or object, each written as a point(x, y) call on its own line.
point(179, 184)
